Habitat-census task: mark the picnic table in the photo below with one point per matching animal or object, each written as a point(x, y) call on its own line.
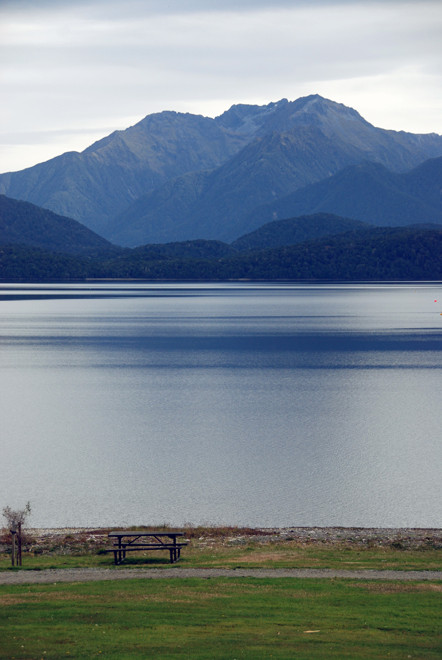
point(128, 541)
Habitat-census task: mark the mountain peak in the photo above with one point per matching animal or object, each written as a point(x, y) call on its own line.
point(322, 106)
point(283, 115)
point(247, 119)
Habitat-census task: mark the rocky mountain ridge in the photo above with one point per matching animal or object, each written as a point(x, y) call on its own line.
point(177, 176)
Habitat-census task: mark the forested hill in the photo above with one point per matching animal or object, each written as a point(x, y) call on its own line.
point(296, 230)
point(26, 224)
point(403, 253)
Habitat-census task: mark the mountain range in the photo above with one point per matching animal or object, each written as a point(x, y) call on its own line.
point(25, 224)
point(179, 177)
point(38, 245)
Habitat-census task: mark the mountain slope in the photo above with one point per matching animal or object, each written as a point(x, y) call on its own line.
point(105, 178)
point(26, 224)
point(212, 205)
point(367, 192)
point(397, 150)
point(246, 157)
point(319, 138)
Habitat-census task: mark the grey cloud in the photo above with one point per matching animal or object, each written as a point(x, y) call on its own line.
point(110, 7)
point(39, 136)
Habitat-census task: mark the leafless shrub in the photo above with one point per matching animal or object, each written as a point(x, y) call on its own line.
point(17, 517)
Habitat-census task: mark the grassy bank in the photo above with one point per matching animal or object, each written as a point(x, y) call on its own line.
point(235, 618)
point(251, 556)
point(238, 548)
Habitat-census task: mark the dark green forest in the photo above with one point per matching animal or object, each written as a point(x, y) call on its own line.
point(403, 253)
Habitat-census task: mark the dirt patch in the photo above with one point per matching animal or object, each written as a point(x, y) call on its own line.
point(171, 595)
point(36, 597)
point(259, 557)
point(394, 587)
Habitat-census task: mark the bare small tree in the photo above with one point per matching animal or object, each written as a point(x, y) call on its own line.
point(15, 520)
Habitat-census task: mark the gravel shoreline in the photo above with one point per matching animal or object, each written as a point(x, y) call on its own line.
point(402, 536)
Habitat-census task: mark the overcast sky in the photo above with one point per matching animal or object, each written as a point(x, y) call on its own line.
point(72, 71)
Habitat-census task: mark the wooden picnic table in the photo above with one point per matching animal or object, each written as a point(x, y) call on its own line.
point(156, 540)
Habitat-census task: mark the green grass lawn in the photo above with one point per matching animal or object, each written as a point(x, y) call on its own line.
point(251, 555)
point(222, 618)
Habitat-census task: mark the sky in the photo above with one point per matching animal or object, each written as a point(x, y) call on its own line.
point(73, 71)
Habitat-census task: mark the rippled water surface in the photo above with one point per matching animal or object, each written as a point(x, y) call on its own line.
point(245, 404)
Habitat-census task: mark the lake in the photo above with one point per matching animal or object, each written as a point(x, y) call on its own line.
point(245, 404)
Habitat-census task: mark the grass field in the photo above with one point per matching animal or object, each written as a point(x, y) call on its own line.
point(225, 618)
point(222, 618)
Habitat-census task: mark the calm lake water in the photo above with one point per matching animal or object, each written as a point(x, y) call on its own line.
point(245, 404)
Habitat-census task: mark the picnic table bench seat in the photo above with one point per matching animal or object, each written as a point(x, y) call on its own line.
point(132, 541)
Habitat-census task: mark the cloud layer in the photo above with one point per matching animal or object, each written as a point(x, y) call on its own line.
point(72, 72)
